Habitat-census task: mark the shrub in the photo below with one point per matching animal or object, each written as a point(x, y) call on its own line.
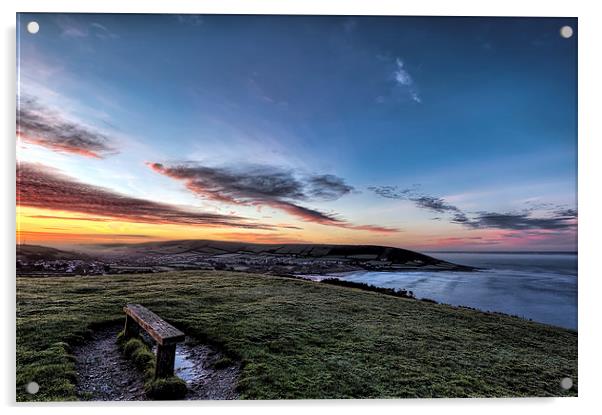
point(171, 388)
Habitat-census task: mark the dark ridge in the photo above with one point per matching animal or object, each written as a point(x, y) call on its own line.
point(274, 259)
point(38, 252)
point(396, 256)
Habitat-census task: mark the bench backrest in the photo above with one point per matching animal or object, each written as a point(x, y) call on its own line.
point(159, 329)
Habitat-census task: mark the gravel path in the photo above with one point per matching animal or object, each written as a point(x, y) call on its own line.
point(103, 374)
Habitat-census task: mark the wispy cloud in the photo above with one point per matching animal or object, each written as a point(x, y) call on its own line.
point(76, 218)
point(266, 186)
point(75, 28)
point(555, 219)
point(517, 221)
point(102, 32)
point(42, 187)
point(404, 79)
point(37, 124)
point(401, 75)
point(433, 203)
point(190, 19)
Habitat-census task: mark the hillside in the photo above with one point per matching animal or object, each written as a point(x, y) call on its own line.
point(38, 252)
point(275, 259)
point(362, 255)
point(299, 339)
point(211, 247)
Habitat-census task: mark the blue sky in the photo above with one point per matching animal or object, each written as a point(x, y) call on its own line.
point(449, 133)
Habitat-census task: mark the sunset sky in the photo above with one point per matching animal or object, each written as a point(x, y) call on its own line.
point(421, 133)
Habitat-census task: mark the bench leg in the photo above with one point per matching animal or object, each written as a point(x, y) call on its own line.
point(131, 328)
point(166, 358)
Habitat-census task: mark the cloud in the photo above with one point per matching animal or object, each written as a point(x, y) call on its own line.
point(464, 241)
point(266, 186)
point(37, 124)
point(390, 192)
point(328, 187)
point(285, 226)
point(567, 213)
point(558, 219)
point(435, 204)
point(414, 95)
point(401, 75)
point(519, 221)
point(89, 219)
point(42, 187)
point(101, 31)
point(404, 79)
point(191, 19)
point(75, 28)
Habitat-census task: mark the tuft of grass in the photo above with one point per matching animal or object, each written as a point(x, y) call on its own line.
point(143, 359)
point(300, 339)
point(121, 339)
point(171, 388)
point(132, 346)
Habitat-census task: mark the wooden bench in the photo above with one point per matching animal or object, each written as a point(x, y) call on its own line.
point(166, 336)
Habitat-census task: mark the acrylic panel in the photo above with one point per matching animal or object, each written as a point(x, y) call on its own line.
point(295, 207)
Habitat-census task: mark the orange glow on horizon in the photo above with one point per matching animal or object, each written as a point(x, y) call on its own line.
point(45, 226)
point(51, 227)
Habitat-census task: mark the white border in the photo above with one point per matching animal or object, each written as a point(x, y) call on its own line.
point(590, 68)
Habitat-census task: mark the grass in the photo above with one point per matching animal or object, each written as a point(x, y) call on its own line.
point(299, 339)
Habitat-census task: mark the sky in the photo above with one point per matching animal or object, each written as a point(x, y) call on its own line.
point(426, 133)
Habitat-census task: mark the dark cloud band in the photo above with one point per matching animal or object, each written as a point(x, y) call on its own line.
point(41, 187)
point(517, 221)
point(42, 126)
point(559, 219)
point(266, 186)
point(423, 201)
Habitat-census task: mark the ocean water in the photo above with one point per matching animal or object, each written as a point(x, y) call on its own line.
point(541, 287)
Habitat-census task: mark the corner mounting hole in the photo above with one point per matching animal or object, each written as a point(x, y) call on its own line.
point(33, 27)
point(32, 388)
point(566, 32)
point(566, 383)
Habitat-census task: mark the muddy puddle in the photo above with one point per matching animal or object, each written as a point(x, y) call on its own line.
point(104, 374)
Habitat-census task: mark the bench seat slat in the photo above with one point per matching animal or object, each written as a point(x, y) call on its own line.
point(159, 329)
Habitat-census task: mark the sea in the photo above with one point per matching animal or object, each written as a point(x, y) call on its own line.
point(537, 286)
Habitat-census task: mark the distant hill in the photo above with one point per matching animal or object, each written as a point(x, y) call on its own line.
point(364, 253)
point(302, 259)
point(38, 252)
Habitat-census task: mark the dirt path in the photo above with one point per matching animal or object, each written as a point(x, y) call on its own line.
point(103, 373)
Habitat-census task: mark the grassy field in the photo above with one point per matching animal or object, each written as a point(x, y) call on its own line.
point(299, 339)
